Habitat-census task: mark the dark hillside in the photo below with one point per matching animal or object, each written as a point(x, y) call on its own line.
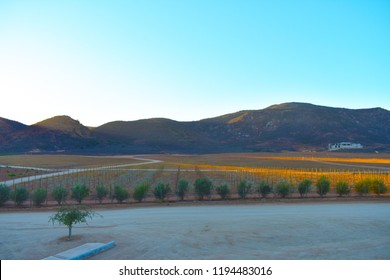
point(288, 126)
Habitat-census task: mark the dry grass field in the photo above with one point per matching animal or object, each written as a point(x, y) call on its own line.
point(8, 173)
point(65, 161)
point(326, 161)
point(55, 162)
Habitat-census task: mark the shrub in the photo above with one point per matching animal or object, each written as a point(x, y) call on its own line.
point(223, 191)
point(80, 192)
point(20, 195)
point(264, 189)
point(182, 188)
point(59, 194)
point(140, 192)
point(4, 194)
point(161, 191)
point(101, 192)
point(120, 194)
point(378, 186)
point(203, 187)
point(39, 196)
point(342, 188)
point(69, 216)
point(363, 186)
point(304, 187)
point(323, 186)
point(244, 188)
point(283, 189)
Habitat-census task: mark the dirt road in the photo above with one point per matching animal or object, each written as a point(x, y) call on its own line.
point(259, 231)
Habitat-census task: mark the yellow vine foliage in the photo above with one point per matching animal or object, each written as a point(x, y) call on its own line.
point(295, 176)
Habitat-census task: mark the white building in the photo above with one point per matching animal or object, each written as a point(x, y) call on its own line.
point(344, 146)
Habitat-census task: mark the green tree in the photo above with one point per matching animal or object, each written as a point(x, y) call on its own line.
point(80, 192)
point(140, 192)
point(4, 194)
point(323, 186)
point(59, 194)
point(120, 194)
point(70, 216)
point(203, 187)
point(378, 186)
point(223, 191)
point(244, 188)
point(182, 188)
point(20, 195)
point(363, 186)
point(161, 191)
point(101, 193)
point(304, 187)
point(39, 196)
point(342, 188)
point(264, 189)
point(283, 189)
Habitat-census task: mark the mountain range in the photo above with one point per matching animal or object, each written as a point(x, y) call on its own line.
point(284, 127)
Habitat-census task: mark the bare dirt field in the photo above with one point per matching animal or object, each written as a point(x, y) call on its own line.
point(330, 230)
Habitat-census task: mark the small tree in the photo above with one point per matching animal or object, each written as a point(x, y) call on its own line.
point(342, 188)
point(363, 186)
point(244, 188)
point(120, 194)
point(223, 191)
point(20, 195)
point(378, 186)
point(161, 191)
point(264, 189)
point(39, 196)
point(203, 187)
point(323, 186)
point(59, 194)
point(4, 194)
point(283, 189)
point(304, 187)
point(80, 192)
point(182, 188)
point(140, 192)
point(101, 193)
point(70, 216)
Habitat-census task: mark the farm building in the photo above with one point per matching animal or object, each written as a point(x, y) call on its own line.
point(344, 146)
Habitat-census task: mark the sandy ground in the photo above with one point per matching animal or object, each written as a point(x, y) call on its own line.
point(359, 230)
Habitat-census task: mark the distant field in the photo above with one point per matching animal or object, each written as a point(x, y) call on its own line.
point(65, 161)
point(324, 161)
point(7, 173)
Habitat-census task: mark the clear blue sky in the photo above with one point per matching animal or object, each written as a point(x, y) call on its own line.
point(100, 61)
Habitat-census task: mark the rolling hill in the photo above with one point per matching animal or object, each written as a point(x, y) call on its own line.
point(288, 126)
point(58, 134)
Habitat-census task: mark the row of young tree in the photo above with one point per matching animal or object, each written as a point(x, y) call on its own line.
point(202, 188)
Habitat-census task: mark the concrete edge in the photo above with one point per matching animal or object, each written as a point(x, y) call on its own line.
point(95, 251)
point(86, 254)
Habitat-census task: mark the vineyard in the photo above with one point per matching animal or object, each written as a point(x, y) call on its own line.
point(228, 170)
